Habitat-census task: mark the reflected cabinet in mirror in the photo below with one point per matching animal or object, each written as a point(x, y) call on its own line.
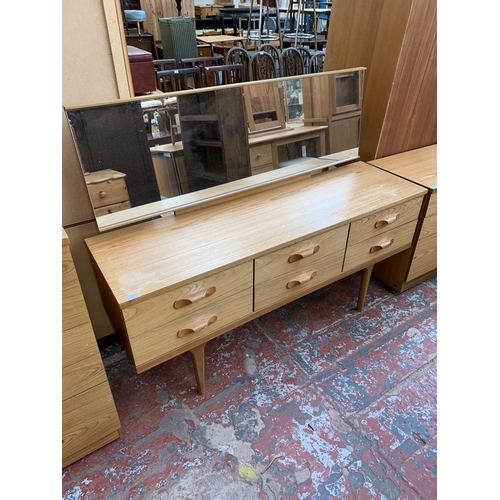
point(153, 154)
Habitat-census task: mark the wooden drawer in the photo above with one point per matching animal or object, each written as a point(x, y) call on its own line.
point(74, 311)
point(89, 421)
point(424, 258)
point(78, 343)
point(429, 227)
point(377, 247)
point(109, 192)
point(167, 338)
point(261, 155)
point(376, 224)
point(152, 313)
point(82, 376)
point(111, 209)
point(297, 269)
point(300, 256)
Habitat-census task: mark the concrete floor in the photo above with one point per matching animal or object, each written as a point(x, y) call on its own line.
point(311, 401)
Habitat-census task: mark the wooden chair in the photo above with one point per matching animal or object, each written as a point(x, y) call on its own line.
point(225, 74)
point(238, 55)
point(273, 51)
point(262, 66)
point(172, 80)
point(316, 62)
point(202, 62)
point(306, 56)
point(291, 62)
point(164, 64)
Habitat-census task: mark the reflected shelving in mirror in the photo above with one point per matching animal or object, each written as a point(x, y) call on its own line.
point(177, 150)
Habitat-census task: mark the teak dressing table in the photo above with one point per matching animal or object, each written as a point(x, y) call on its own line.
point(173, 283)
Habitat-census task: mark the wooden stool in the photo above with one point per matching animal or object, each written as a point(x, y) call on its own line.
point(135, 16)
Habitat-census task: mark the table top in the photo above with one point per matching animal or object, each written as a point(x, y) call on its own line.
point(418, 165)
point(146, 259)
point(211, 39)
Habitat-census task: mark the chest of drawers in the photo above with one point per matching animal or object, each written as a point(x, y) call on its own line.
point(108, 191)
point(89, 417)
point(419, 262)
point(172, 284)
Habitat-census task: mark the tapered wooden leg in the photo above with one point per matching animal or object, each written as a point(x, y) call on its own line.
point(198, 357)
point(363, 288)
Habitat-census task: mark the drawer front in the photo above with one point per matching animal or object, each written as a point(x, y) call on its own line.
point(377, 247)
point(83, 375)
point(424, 258)
point(300, 257)
point(87, 419)
point(195, 326)
point(376, 224)
point(111, 209)
point(432, 207)
point(261, 155)
point(78, 343)
point(296, 284)
point(162, 309)
point(74, 311)
point(429, 227)
point(108, 192)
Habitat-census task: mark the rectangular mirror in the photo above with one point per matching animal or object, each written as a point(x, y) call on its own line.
point(153, 154)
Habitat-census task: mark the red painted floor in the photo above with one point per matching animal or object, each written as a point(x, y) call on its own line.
point(311, 401)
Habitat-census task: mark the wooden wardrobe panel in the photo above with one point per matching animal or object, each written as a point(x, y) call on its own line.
point(410, 120)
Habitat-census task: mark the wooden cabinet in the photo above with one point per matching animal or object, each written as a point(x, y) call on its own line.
point(215, 137)
point(420, 261)
point(221, 265)
point(108, 191)
point(89, 417)
point(335, 101)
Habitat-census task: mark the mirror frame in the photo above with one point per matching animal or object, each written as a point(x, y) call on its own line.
point(214, 194)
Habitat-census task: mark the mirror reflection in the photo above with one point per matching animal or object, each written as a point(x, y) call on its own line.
point(164, 146)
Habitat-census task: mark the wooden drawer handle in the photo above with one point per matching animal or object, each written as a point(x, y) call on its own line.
point(197, 327)
point(387, 220)
point(383, 245)
point(195, 297)
point(303, 278)
point(303, 254)
point(102, 194)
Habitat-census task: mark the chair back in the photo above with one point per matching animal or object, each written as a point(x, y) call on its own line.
point(262, 66)
point(202, 62)
point(291, 62)
point(273, 51)
point(306, 56)
point(164, 64)
point(238, 55)
point(225, 74)
point(172, 80)
point(316, 62)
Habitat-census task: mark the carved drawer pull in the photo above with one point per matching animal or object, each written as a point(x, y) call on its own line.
point(303, 278)
point(388, 220)
point(383, 245)
point(197, 327)
point(102, 194)
point(195, 297)
point(303, 254)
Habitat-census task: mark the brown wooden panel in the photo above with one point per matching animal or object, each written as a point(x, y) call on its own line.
point(83, 375)
point(78, 343)
point(424, 258)
point(411, 113)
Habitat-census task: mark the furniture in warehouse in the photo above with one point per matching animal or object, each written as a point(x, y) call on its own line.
point(419, 262)
point(143, 41)
point(89, 416)
point(220, 264)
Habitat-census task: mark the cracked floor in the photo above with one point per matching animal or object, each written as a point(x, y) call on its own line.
point(311, 401)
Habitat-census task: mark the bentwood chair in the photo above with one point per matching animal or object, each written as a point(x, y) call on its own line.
point(316, 62)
